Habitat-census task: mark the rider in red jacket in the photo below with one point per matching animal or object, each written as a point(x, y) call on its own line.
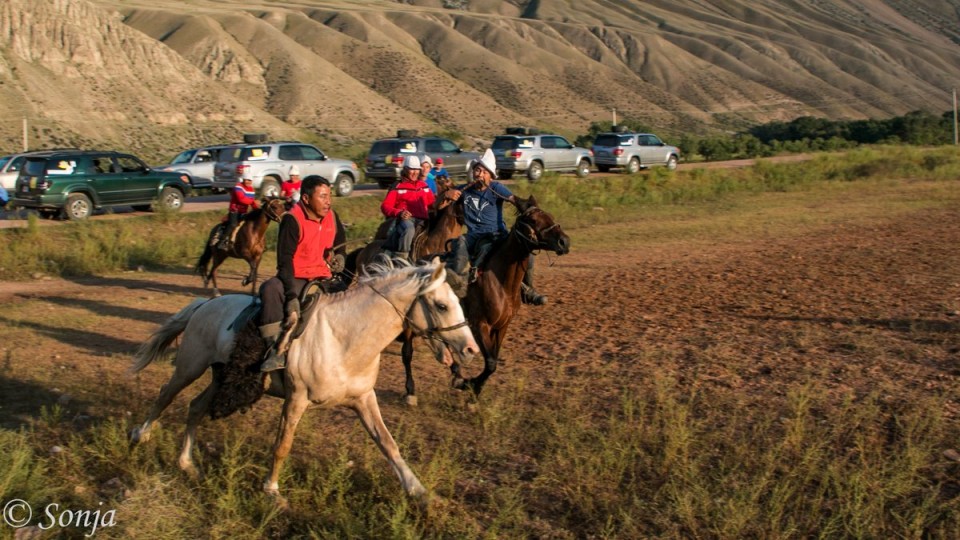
point(409, 202)
point(242, 198)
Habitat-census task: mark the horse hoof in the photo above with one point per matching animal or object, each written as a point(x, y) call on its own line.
point(410, 400)
point(245, 282)
point(191, 470)
point(279, 500)
point(473, 407)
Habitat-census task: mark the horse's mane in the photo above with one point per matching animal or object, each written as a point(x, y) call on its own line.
point(385, 268)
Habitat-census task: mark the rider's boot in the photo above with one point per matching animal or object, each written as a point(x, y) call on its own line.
point(272, 360)
point(226, 241)
point(529, 295)
point(405, 255)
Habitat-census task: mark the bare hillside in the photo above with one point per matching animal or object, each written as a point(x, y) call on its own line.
point(155, 76)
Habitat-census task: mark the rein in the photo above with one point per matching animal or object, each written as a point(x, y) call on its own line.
point(427, 333)
point(534, 244)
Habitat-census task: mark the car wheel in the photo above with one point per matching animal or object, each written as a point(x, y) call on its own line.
point(634, 166)
point(535, 171)
point(270, 188)
point(78, 206)
point(171, 200)
point(505, 175)
point(344, 185)
point(583, 169)
point(603, 168)
point(672, 163)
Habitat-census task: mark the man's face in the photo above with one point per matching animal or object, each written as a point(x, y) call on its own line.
point(410, 174)
point(425, 170)
point(248, 183)
point(294, 178)
point(319, 201)
point(481, 175)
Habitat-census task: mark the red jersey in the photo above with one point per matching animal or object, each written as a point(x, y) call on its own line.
point(241, 199)
point(413, 196)
point(287, 189)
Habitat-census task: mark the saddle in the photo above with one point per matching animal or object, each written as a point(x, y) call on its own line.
point(241, 384)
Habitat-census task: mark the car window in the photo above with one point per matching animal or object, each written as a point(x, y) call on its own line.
point(34, 167)
point(383, 147)
point(290, 152)
point(254, 153)
point(62, 166)
point(555, 142)
point(3, 161)
point(432, 146)
point(100, 165)
point(310, 153)
point(505, 143)
point(130, 164)
point(448, 146)
point(611, 140)
point(408, 147)
point(183, 157)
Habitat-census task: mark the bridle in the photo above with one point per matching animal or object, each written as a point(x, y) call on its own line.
point(270, 213)
point(431, 332)
point(533, 236)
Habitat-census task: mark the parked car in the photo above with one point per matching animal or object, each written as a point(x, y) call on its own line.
point(75, 183)
point(633, 151)
point(385, 159)
point(521, 151)
point(197, 164)
point(10, 167)
point(269, 164)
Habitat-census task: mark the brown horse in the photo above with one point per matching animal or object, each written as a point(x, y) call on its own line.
point(494, 298)
point(248, 245)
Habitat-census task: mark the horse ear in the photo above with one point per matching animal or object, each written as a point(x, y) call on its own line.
point(532, 201)
point(438, 269)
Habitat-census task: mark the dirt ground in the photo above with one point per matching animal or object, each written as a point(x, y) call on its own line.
point(861, 306)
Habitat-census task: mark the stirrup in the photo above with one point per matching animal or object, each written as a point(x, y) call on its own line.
point(273, 361)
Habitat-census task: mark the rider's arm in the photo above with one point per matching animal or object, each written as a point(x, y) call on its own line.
point(389, 206)
point(287, 240)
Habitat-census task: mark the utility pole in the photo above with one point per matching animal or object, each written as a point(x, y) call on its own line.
point(25, 147)
point(615, 115)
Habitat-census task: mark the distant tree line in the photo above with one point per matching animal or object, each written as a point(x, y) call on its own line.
point(804, 134)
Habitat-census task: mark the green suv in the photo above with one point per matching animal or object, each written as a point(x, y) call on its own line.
point(75, 183)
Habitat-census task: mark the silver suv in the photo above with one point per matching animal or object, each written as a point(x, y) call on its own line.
point(633, 151)
point(534, 154)
point(385, 158)
point(269, 164)
point(197, 164)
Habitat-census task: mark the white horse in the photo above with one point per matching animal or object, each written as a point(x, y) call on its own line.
point(334, 362)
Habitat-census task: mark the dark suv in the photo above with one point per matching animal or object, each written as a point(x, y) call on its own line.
point(75, 183)
point(385, 158)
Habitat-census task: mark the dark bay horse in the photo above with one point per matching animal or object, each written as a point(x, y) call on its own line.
point(493, 299)
point(248, 245)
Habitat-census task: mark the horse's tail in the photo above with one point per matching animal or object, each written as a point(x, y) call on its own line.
point(162, 338)
point(204, 261)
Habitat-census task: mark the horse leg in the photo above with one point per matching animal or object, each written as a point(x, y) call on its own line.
point(199, 407)
point(252, 276)
point(368, 410)
point(406, 354)
point(490, 345)
point(293, 408)
point(182, 377)
point(217, 261)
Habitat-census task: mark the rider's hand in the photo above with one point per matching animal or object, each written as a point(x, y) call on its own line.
point(452, 194)
point(337, 263)
point(292, 313)
point(405, 214)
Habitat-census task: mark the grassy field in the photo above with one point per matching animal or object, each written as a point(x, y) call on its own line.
point(793, 426)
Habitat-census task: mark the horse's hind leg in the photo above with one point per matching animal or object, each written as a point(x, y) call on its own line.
point(368, 410)
point(181, 378)
point(252, 276)
point(217, 261)
point(199, 408)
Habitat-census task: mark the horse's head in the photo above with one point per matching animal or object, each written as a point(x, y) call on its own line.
point(274, 208)
point(438, 317)
point(538, 229)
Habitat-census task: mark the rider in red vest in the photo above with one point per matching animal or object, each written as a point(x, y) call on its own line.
point(304, 243)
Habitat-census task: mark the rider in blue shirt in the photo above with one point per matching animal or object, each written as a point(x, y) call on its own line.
point(483, 213)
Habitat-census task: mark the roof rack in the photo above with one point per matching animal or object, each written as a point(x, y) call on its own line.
point(406, 133)
point(521, 130)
